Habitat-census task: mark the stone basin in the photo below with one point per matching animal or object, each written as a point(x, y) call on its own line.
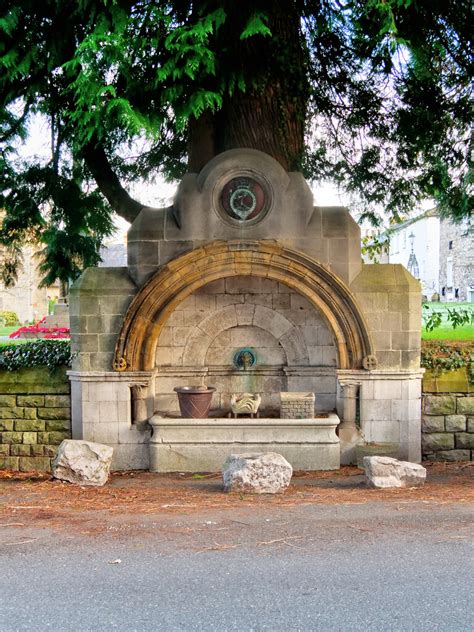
point(202, 445)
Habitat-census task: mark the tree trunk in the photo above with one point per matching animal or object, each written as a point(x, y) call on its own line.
point(270, 114)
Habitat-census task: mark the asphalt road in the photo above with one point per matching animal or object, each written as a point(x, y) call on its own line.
point(350, 567)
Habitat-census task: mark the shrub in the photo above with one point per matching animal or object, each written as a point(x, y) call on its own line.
point(442, 356)
point(10, 319)
point(49, 353)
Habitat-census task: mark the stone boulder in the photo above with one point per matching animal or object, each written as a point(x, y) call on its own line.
point(383, 471)
point(261, 473)
point(83, 462)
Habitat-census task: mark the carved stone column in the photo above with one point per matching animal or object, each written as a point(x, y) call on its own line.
point(349, 433)
point(139, 392)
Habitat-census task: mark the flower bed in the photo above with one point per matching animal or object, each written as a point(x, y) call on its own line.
point(39, 331)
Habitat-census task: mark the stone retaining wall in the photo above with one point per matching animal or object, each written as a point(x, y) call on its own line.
point(35, 412)
point(448, 427)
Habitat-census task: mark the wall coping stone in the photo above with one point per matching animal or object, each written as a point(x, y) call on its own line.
point(109, 376)
point(385, 374)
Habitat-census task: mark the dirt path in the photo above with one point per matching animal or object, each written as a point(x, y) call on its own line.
point(136, 502)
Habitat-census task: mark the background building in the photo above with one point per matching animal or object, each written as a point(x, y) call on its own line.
point(26, 298)
point(438, 253)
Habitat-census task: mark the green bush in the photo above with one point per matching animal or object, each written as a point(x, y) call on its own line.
point(49, 353)
point(442, 356)
point(9, 319)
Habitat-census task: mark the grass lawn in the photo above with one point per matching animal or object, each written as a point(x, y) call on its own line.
point(6, 331)
point(445, 331)
point(448, 333)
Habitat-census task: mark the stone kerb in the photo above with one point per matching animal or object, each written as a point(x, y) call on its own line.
point(270, 320)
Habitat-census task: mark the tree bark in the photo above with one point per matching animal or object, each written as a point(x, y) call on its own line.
point(270, 115)
point(109, 184)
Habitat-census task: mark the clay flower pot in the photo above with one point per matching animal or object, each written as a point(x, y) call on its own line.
point(194, 401)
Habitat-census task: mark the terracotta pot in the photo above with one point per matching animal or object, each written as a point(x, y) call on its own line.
point(194, 401)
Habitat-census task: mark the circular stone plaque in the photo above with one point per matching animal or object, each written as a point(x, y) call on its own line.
point(243, 199)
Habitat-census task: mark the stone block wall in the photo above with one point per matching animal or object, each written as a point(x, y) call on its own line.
point(98, 301)
point(448, 427)
point(291, 341)
point(457, 242)
point(35, 413)
point(389, 407)
point(391, 300)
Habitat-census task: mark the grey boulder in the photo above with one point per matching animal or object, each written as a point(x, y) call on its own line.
point(383, 471)
point(262, 473)
point(83, 462)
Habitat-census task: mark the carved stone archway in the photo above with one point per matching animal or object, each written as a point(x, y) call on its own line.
point(159, 297)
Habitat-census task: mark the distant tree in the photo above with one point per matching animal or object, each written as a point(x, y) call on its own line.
point(371, 94)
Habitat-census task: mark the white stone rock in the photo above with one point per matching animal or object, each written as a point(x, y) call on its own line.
point(383, 471)
point(261, 473)
point(83, 462)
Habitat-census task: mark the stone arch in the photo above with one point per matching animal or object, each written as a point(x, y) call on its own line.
point(230, 316)
point(157, 299)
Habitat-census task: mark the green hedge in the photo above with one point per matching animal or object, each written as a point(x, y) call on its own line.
point(36, 353)
point(440, 356)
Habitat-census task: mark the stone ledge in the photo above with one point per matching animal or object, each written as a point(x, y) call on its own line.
point(193, 445)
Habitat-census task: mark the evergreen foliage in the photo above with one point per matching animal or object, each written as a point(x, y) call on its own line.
point(50, 353)
point(372, 94)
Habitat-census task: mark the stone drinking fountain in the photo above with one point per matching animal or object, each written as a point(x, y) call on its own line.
point(246, 286)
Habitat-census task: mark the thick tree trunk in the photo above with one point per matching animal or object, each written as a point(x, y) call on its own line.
point(109, 184)
point(270, 114)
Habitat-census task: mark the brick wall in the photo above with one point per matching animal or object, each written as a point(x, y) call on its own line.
point(448, 427)
point(35, 412)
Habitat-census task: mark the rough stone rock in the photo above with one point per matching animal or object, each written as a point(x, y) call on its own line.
point(83, 462)
point(465, 405)
point(383, 471)
point(465, 440)
point(432, 423)
point(261, 473)
point(455, 423)
point(437, 441)
point(452, 455)
point(439, 404)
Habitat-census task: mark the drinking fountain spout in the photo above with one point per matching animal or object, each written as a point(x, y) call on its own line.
point(245, 359)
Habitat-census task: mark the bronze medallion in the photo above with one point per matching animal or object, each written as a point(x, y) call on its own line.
point(243, 199)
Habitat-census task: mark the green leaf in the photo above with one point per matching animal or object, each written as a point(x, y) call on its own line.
point(256, 26)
